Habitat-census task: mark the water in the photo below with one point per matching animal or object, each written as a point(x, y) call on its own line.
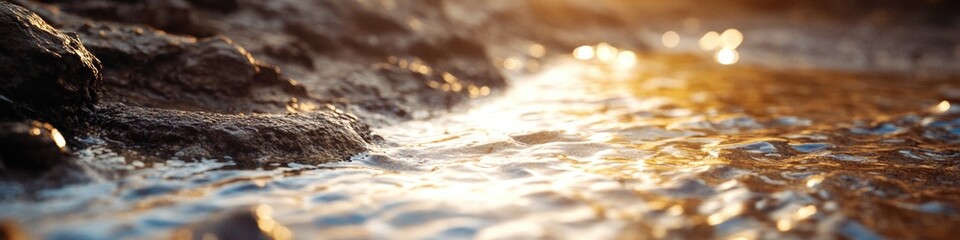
point(676, 147)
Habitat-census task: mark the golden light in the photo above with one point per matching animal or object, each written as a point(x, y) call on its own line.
point(537, 50)
point(418, 67)
point(814, 181)
point(601, 137)
point(806, 212)
point(724, 214)
point(473, 90)
point(670, 39)
point(268, 225)
point(943, 107)
point(731, 38)
point(606, 53)
point(433, 84)
point(626, 59)
point(675, 210)
point(784, 225)
point(58, 138)
point(511, 64)
point(710, 41)
point(727, 56)
point(450, 78)
point(583, 52)
point(424, 69)
point(484, 91)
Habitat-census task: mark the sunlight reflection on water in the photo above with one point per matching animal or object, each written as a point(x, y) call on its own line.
point(668, 148)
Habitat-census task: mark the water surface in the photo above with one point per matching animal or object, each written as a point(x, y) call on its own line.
point(675, 146)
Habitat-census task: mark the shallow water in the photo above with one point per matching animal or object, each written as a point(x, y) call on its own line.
point(675, 147)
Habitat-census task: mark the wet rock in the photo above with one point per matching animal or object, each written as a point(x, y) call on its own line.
point(144, 66)
point(244, 223)
point(44, 73)
point(31, 148)
point(176, 16)
point(211, 74)
point(164, 95)
point(333, 48)
point(250, 140)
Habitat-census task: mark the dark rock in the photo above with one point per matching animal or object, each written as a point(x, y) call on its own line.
point(31, 148)
point(147, 67)
point(144, 67)
point(244, 223)
point(223, 6)
point(177, 85)
point(334, 47)
point(44, 74)
point(331, 47)
point(251, 140)
point(176, 16)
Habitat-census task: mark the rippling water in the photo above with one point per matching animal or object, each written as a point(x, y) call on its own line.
point(677, 147)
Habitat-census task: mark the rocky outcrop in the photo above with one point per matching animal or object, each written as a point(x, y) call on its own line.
point(175, 16)
point(144, 67)
point(332, 48)
point(31, 148)
point(45, 74)
point(164, 95)
point(147, 67)
point(250, 140)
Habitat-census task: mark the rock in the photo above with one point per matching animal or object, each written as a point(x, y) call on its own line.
point(178, 96)
point(31, 148)
point(250, 140)
point(45, 74)
point(144, 67)
point(175, 16)
point(244, 223)
point(332, 48)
